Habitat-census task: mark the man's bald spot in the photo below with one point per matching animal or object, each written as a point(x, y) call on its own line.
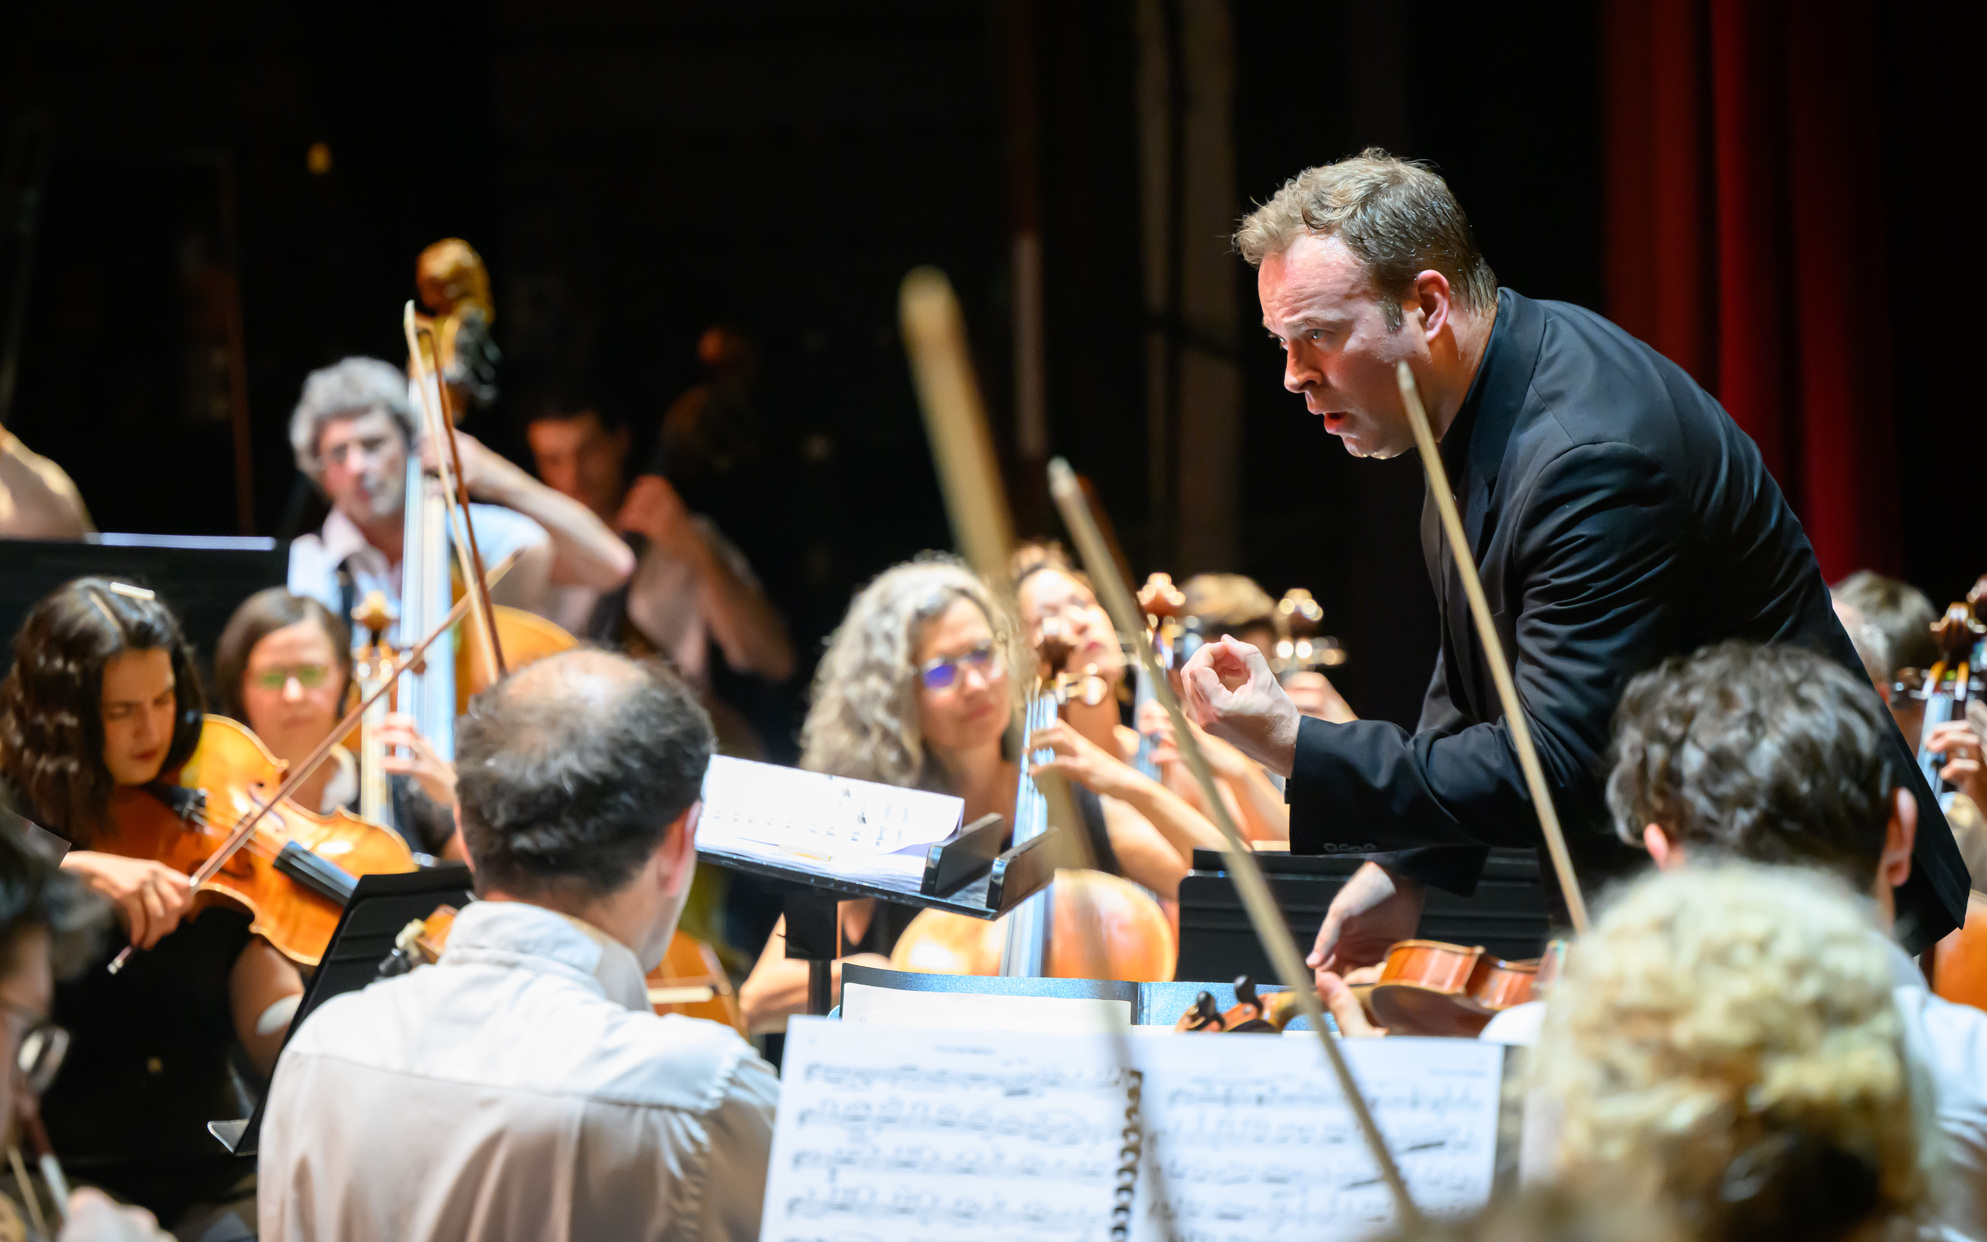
point(566, 693)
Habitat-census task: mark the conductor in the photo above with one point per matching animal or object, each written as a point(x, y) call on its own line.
point(1617, 514)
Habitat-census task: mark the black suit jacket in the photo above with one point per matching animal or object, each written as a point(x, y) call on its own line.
point(1618, 516)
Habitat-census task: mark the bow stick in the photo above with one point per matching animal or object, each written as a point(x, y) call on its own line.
point(1249, 881)
point(1493, 650)
point(301, 773)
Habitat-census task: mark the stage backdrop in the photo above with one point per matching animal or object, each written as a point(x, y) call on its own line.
point(1745, 239)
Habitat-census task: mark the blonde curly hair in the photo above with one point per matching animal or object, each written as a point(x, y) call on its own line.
point(863, 722)
point(1725, 1040)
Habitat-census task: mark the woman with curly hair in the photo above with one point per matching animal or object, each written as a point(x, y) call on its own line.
point(1725, 1042)
point(102, 695)
point(917, 689)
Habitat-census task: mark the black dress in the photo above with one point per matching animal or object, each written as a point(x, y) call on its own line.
point(148, 1066)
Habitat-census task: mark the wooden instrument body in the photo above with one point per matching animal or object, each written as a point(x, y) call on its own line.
point(690, 981)
point(1959, 962)
point(525, 636)
point(234, 770)
point(1092, 913)
point(1427, 987)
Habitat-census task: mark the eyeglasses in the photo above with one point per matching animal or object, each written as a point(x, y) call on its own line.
point(309, 676)
point(942, 674)
point(39, 1058)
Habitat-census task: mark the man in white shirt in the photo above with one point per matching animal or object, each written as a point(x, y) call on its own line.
point(352, 431)
point(522, 1088)
point(1775, 755)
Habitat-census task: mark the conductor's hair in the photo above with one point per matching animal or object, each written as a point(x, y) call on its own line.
point(1772, 754)
point(51, 704)
point(347, 389)
point(1396, 216)
point(571, 770)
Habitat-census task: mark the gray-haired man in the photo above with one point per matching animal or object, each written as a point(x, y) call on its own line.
point(352, 431)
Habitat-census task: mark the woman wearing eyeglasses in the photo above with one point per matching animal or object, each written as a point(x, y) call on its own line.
point(283, 668)
point(102, 696)
point(916, 689)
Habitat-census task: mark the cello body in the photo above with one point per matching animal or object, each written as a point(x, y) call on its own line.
point(1088, 908)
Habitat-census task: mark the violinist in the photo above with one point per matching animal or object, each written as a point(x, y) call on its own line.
point(1617, 513)
point(283, 667)
point(352, 432)
point(48, 927)
point(1157, 828)
point(102, 696)
point(917, 689)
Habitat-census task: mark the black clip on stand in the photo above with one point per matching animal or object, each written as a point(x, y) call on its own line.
point(967, 873)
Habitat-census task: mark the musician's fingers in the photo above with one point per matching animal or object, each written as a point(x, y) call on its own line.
point(1959, 771)
point(148, 914)
point(1344, 1006)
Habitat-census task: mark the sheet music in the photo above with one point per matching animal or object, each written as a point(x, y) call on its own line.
point(889, 1133)
point(856, 828)
point(1260, 1146)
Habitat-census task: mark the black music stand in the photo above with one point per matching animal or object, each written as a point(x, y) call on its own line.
point(1506, 915)
point(967, 873)
point(202, 577)
point(379, 908)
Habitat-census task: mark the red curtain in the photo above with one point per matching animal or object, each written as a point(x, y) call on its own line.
point(1744, 239)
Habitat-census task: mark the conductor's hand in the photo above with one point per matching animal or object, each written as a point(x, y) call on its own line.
point(1376, 910)
point(1232, 694)
point(150, 897)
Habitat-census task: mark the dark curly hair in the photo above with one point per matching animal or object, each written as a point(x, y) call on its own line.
point(571, 770)
point(1772, 754)
point(51, 721)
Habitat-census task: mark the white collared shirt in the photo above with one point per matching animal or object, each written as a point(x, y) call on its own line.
point(315, 559)
point(521, 1089)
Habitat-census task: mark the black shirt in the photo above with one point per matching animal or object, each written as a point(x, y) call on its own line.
point(1617, 516)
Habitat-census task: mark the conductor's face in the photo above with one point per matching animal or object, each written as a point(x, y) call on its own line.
point(1322, 308)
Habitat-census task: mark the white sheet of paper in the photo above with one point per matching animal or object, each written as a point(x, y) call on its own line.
point(859, 829)
point(889, 1133)
point(978, 1011)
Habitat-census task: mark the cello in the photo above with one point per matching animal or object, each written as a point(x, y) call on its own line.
point(1045, 936)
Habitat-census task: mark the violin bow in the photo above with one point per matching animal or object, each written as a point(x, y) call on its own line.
point(245, 827)
point(1249, 882)
point(448, 459)
point(1493, 650)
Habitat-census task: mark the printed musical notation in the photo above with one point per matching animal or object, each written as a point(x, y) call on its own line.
point(889, 1133)
point(858, 828)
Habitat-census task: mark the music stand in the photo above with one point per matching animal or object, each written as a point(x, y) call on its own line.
point(378, 909)
point(202, 577)
point(967, 873)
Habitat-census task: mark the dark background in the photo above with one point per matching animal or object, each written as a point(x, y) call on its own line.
point(634, 173)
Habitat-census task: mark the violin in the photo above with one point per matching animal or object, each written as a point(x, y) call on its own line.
point(1428, 987)
point(1946, 687)
point(690, 981)
point(1252, 1014)
point(297, 867)
point(1086, 925)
